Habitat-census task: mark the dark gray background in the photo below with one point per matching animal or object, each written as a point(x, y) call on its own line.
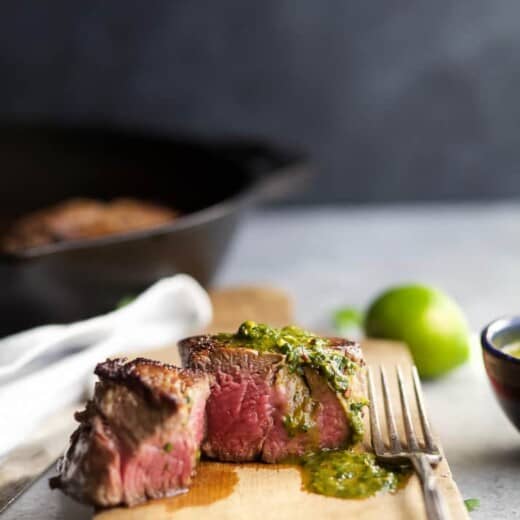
point(394, 99)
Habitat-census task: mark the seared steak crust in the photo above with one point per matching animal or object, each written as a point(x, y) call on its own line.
point(203, 345)
point(138, 437)
point(156, 381)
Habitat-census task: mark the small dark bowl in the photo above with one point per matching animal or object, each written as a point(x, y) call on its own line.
point(502, 369)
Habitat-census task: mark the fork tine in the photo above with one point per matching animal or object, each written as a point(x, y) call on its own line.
point(407, 416)
point(375, 427)
point(395, 444)
point(427, 433)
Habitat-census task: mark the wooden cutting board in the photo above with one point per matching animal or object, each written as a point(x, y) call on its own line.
point(262, 492)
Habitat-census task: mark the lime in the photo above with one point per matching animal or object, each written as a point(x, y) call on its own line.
point(427, 320)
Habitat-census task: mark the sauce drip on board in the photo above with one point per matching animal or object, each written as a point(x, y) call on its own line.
point(349, 474)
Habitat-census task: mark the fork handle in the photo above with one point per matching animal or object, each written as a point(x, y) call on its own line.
point(433, 500)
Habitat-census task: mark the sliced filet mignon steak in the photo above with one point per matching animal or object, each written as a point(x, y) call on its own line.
point(277, 394)
point(138, 437)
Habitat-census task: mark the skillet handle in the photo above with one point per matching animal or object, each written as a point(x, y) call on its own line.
point(276, 172)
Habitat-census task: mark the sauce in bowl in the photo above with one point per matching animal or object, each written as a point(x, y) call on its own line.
point(512, 349)
point(501, 352)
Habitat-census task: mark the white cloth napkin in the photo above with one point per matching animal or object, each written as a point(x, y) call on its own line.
point(58, 360)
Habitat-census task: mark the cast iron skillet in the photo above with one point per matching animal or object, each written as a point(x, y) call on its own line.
point(211, 183)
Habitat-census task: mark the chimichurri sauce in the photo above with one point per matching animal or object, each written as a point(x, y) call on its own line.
point(300, 347)
point(304, 349)
point(348, 474)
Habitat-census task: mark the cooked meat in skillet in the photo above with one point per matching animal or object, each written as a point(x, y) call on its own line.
point(138, 437)
point(77, 219)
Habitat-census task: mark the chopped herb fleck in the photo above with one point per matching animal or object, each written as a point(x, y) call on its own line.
point(348, 318)
point(299, 421)
point(124, 301)
point(472, 504)
point(355, 415)
point(168, 447)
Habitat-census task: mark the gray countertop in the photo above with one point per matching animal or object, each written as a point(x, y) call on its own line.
point(328, 257)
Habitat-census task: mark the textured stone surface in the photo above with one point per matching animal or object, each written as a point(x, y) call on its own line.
point(329, 257)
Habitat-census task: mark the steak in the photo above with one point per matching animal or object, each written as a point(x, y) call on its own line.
point(261, 394)
point(277, 403)
point(139, 436)
point(77, 219)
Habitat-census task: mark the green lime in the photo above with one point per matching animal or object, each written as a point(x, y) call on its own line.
point(427, 320)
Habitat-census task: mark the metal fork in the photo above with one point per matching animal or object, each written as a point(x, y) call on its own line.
point(421, 458)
